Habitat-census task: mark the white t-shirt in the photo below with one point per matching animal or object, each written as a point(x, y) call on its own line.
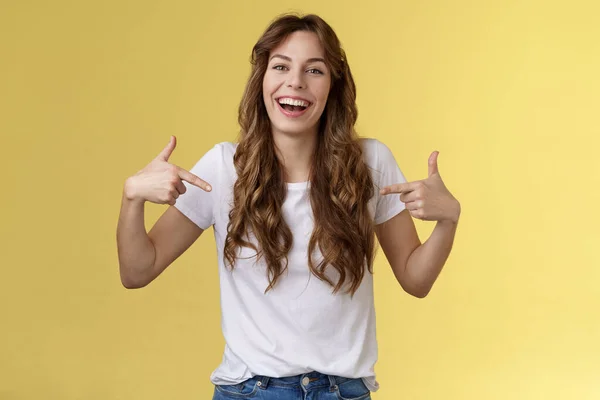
point(299, 325)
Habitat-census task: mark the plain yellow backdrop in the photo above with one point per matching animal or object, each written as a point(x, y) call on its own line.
point(507, 91)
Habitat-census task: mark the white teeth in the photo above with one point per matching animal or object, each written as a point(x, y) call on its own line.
point(293, 102)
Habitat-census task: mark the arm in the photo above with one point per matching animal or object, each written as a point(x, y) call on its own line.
point(415, 265)
point(144, 256)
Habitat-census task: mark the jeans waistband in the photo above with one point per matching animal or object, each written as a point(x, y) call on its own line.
point(308, 380)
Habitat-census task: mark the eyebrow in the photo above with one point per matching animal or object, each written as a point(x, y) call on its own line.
point(310, 60)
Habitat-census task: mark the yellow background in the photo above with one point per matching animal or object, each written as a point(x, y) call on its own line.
point(507, 91)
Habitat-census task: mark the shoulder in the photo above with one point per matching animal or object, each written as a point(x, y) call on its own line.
point(223, 161)
point(220, 154)
point(215, 161)
point(224, 148)
point(369, 145)
point(375, 153)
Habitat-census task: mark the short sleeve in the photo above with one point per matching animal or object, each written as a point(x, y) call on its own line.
point(388, 173)
point(197, 204)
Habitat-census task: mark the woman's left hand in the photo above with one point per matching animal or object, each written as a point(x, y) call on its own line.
point(427, 199)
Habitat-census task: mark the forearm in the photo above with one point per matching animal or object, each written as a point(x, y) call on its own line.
point(135, 249)
point(426, 261)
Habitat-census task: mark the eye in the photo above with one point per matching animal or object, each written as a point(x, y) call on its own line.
point(315, 71)
point(279, 67)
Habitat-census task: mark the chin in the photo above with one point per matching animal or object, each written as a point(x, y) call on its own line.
point(293, 128)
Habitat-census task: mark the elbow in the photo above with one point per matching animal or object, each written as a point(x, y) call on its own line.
point(418, 291)
point(419, 294)
point(415, 286)
point(131, 282)
point(131, 285)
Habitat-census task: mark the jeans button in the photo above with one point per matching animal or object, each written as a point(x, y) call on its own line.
point(305, 381)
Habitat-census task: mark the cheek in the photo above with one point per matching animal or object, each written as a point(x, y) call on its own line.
point(266, 95)
point(323, 91)
point(265, 91)
point(322, 96)
point(269, 86)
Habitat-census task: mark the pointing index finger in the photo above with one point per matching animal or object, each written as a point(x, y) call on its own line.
point(398, 188)
point(193, 179)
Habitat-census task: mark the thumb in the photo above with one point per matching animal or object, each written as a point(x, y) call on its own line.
point(433, 166)
point(166, 152)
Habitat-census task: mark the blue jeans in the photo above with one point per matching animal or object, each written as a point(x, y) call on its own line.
point(310, 386)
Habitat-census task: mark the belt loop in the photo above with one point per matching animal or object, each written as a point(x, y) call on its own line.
point(332, 383)
point(263, 382)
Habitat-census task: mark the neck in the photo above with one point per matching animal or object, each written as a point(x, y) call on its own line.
point(295, 153)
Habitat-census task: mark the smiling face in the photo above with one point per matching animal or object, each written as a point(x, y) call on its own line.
point(296, 84)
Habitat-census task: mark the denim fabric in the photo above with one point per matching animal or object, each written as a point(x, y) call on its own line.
point(310, 386)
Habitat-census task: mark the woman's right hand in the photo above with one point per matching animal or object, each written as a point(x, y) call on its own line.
point(161, 182)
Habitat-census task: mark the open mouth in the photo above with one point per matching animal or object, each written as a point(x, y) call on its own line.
point(293, 107)
point(288, 107)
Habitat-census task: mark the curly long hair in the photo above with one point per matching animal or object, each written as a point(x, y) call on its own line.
point(341, 184)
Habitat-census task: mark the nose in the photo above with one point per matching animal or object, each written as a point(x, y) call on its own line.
point(296, 80)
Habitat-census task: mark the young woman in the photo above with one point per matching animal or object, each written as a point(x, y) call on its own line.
point(296, 205)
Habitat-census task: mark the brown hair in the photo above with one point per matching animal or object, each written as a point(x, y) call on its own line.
point(341, 184)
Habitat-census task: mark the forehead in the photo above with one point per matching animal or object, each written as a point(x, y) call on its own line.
point(300, 45)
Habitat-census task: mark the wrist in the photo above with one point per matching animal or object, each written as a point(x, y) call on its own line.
point(454, 216)
point(130, 193)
